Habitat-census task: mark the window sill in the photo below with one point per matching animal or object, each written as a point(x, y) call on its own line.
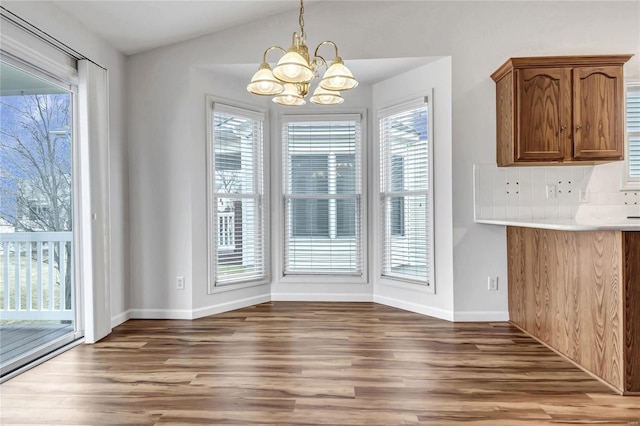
point(630, 186)
point(334, 278)
point(413, 286)
point(238, 286)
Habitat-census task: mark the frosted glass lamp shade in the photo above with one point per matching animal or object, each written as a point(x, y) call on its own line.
point(338, 77)
point(326, 97)
point(264, 83)
point(289, 96)
point(293, 68)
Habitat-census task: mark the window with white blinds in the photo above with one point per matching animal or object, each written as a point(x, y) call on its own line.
point(633, 133)
point(236, 217)
point(406, 193)
point(322, 191)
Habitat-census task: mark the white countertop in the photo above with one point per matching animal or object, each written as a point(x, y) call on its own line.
point(585, 224)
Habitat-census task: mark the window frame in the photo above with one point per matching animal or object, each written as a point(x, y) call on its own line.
point(428, 286)
point(305, 277)
point(629, 183)
point(262, 200)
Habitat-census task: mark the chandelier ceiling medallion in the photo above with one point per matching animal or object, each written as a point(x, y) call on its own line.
point(289, 80)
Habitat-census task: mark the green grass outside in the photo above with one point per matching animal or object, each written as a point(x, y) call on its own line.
point(229, 269)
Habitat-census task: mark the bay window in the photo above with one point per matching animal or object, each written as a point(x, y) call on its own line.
point(235, 205)
point(322, 194)
point(406, 193)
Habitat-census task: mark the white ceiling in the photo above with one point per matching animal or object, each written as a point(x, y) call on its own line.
point(136, 26)
point(133, 26)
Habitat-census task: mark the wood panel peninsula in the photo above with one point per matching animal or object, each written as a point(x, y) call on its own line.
point(578, 292)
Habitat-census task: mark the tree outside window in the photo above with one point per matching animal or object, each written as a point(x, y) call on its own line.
point(36, 168)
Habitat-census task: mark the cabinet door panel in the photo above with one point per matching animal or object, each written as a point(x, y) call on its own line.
point(598, 113)
point(544, 112)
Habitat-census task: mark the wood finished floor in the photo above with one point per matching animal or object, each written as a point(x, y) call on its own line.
point(286, 363)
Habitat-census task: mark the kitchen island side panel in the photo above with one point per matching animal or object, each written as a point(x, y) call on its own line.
point(566, 289)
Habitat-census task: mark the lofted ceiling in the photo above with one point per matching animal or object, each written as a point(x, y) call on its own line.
point(136, 26)
point(133, 26)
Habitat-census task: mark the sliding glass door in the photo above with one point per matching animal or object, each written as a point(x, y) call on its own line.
point(37, 291)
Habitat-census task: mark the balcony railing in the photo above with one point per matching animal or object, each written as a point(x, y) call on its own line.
point(226, 231)
point(36, 269)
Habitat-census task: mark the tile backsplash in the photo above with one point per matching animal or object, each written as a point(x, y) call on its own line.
point(558, 192)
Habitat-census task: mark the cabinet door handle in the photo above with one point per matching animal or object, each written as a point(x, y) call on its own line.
point(578, 127)
point(563, 128)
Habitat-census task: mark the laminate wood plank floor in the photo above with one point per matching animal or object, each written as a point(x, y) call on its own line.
point(294, 363)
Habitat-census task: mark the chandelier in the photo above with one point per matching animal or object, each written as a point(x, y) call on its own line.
point(289, 80)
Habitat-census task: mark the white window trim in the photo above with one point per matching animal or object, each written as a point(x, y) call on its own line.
point(279, 208)
point(628, 183)
point(245, 110)
point(408, 284)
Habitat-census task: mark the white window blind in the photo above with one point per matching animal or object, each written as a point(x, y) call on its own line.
point(406, 193)
point(322, 194)
point(633, 132)
point(236, 218)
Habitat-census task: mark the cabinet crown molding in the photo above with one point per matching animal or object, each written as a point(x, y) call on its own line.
point(559, 61)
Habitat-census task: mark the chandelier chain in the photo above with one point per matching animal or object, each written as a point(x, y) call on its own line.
point(301, 19)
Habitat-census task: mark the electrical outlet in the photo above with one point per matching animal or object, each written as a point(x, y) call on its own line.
point(583, 196)
point(179, 283)
point(631, 198)
point(492, 283)
point(551, 191)
point(564, 189)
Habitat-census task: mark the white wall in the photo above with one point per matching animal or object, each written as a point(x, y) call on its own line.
point(159, 184)
point(203, 82)
point(166, 173)
point(54, 21)
point(433, 80)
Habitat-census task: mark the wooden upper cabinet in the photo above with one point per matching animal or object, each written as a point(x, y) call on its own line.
point(598, 113)
point(560, 109)
point(543, 110)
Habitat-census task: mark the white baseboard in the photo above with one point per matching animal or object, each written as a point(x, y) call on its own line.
point(481, 316)
point(230, 306)
point(160, 314)
point(321, 297)
point(187, 313)
point(414, 307)
point(465, 316)
point(120, 318)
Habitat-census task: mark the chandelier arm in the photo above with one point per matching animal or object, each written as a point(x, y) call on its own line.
point(266, 52)
point(335, 46)
point(315, 62)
